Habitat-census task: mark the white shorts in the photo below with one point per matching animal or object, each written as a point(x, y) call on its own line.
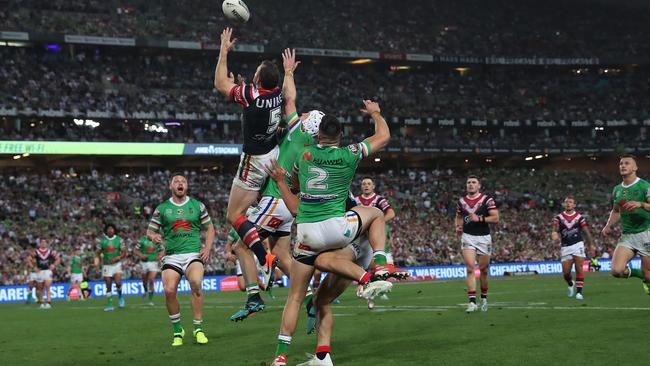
point(43, 275)
point(180, 262)
point(481, 243)
point(77, 277)
point(639, 243)
point(32, 277)
point(238, 270)
point(313, 238)
point(251, 175)
point(110, 270)
point(147, 267)
point(272, 215)
point(575, 250)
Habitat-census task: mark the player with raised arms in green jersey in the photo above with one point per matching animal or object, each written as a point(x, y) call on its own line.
point(631, 206)
point(76, 273)
point(177, 224)
point(271, 217)
point(324, 173)
point(149, 254)
point(110, 253)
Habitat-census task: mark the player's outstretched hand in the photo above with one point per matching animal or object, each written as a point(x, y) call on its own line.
point(275, 171)
point(156, 238)
point(370, 107)
point(227, 42)
point(205, 254)
point(289, 60)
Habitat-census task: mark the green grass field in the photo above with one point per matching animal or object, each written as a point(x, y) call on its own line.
point(530, 322)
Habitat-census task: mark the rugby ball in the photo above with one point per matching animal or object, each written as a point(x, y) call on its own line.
point(236, 11)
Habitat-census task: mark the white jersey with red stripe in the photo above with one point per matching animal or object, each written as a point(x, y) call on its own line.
point(374, 200)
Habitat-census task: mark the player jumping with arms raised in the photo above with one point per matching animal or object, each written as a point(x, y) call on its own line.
point(324, 173)
point(262, 113)
point(569, 228)
point(177, 223)
point(631, 206)
point(474, 213)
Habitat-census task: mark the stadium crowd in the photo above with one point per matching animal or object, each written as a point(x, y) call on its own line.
point(465, 28)
point(69, 209)
point(141, 82)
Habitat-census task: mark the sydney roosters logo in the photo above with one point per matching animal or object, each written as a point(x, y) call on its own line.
point(181, 224)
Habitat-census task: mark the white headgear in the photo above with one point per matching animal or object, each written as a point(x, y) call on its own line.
point(312, 122)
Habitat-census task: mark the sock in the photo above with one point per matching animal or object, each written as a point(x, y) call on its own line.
point(119, 291)
point(580, 281)
point(365, 278)
point(322, 351)
point(252, 290)
point(379, 256)
point(635, 273)
point(146, 288)
point(472, 296)
point(248, 234)
point(283, 345)
point(150, 295)
point(389, 258)
point(176, 323)
point(484, 292)
point(570, 283)
point(198, 324)
point(109, 299)
point(29, 296)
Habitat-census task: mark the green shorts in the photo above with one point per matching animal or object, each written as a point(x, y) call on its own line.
point(639, 243)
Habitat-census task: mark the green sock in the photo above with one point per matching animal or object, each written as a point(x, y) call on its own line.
point(29, 296)
point(176, 323)
point(307, 299)
point(110, 301)
point(150, 295)
point(380, 257)
point(198, 324)
point(636, 273)
point(283, 345)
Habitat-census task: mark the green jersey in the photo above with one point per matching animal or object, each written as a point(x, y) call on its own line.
point(180, 225)
point(325, 174)
point(111, 248)
point(75, 264)
point(233, 237)
point(290, 147)
point(638, 220)
point(148, 248)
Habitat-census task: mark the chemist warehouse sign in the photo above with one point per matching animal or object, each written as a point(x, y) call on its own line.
point(227, 283)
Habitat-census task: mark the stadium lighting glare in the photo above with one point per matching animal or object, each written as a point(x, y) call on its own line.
point(25, 155)
point(529, 158)
point(126, 175)
point(155, 128)
point(360, 61)
point(539, 156)
point(400, 67)
point(600, 128)
point(16, 157)
point(86, 122)
point(377, 160)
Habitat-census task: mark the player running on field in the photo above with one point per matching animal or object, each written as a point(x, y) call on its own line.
point(46, 261)
point(76, 272)
point(271, 216)
point(149, 254)
point(262, 104)
point(569, 228)
point(631, 206)
point(111, 251)
point(177, 223)
point(324, 173)
point(475, 211)
point(368, 198)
